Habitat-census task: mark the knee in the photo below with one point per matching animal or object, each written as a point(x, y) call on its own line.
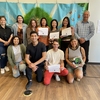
point(70, 81)
point(46, 82)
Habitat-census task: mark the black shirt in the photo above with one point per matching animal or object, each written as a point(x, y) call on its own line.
point(5, 33)
point(35, 52)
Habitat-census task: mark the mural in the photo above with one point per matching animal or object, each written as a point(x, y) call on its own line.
point(51, 11)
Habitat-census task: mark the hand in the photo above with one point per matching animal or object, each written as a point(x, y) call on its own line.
point(21, 62)
point(15, 67)
point(35, 68)
point(62, 68)
point(72, 31)
point(46, 67)
point(6, 43)
point(82, 40)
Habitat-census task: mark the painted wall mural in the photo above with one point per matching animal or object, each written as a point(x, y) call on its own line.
point(51, 11)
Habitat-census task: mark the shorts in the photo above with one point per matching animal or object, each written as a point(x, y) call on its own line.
point(71, 70)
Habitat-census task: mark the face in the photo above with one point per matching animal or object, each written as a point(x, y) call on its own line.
point(20, 19)
point(65, 22)
point(43, 22)
point(55, 45)
point(3, 21)
point(34, 37)
point(74, 43)
point(86, 16)
point(16, 41)
point(33, 23)
point(54, 24)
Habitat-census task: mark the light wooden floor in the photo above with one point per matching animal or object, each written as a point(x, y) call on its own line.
point(87, 89)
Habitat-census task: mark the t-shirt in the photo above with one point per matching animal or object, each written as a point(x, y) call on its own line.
point(35, 52)
point(17, 53)
point(5, 33)
point(54, 57)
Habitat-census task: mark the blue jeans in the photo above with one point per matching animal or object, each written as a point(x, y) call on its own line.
point(3, 55)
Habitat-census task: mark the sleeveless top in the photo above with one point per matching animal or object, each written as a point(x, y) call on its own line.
point(75, 53)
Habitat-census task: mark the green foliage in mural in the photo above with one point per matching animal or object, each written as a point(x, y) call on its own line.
point(84, 5)
point(37, 13)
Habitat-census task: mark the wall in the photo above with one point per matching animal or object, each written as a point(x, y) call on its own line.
point(94, 53)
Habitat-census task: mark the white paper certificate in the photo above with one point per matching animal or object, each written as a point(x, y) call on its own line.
point(54, 68)
point(43, 31)
point(66, 32)
point(54, 35)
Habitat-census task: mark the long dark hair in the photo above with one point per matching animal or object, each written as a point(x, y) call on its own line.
point(56, 22)
point(68, 25)
point(41, 21)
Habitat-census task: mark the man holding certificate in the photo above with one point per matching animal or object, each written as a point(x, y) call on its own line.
point(54, 63)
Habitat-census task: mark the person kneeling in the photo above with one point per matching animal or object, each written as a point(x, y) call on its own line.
point(54, 58)
point(75, 57)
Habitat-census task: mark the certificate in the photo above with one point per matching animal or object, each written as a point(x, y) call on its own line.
point(66, 32)
point(54, 68)
point(43, 31)
point(54, 35)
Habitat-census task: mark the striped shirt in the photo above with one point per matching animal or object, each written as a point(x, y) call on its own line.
point(84, 30)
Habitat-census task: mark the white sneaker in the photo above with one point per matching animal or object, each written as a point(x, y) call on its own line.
point(6, 68)
point(2, 71)
point(57, 77)
point(78, 79)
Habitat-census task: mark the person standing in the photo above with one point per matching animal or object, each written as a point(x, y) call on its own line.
point(84, 30)
point(44, 38)
point(19, 29)
point(35, 56)
point(31, 27)
point(5, 38)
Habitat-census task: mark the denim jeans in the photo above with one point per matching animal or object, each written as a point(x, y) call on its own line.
point(3, 55)
point(16, 72)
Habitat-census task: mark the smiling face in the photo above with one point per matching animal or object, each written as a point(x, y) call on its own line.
point(86, 15)
point(33, 23)
point(54, 24)
point(74, 43)
point(44, 22)
point(16, 41)
point(20, 19)
point(34, 37)
point(65, 22)
point(55, 45)
point(2, 21)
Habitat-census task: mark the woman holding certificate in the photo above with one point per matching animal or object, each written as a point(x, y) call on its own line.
point(66, 33)
point(43, 32)
point(54, 33)
point(75, 57)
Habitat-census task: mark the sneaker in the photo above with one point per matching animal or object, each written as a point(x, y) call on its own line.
point(28, 85)
point(2, 71)
point(57, 77)
point(6, 68)
point(78, 79)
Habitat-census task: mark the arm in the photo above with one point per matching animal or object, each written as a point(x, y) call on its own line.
point(91, 28)
point(42, 59)
point(83, 54)
point(7, 42)
point(9, 55)
point(67, 59)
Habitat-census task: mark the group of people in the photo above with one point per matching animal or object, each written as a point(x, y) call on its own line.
point(28, 52)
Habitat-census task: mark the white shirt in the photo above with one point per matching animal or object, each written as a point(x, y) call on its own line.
point(54, 57)
point(17, 53)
